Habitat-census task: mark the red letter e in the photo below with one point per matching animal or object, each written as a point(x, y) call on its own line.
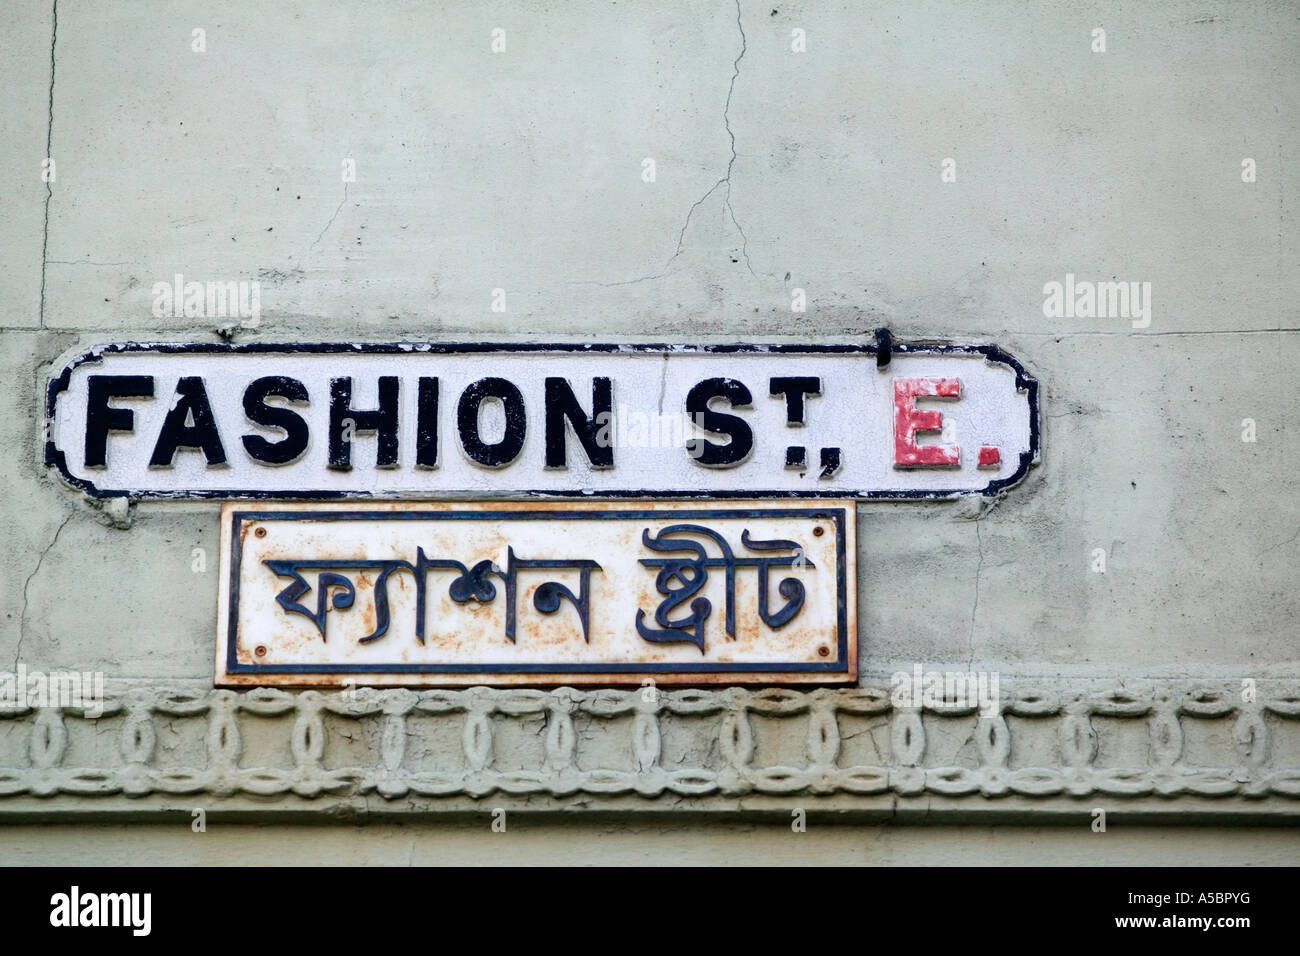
point(908, 420)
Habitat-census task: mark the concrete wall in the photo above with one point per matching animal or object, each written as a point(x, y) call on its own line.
point(629, 843)
point(775, 170)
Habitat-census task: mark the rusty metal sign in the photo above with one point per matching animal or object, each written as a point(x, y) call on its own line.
point(424, 420)
point(541, 593)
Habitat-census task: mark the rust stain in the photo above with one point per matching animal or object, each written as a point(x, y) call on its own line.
point(474, 632)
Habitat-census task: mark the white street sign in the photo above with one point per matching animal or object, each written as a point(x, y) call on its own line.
point(420, 420)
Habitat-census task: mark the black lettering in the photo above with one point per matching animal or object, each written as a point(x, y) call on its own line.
point(830, 462)
point(191, 404)
point(257, 411)
point(381, 422)
point(710, 453)
point(102, 419)
point(426, 424)
point(794, 388)
point(561, 403)
point(505, 451)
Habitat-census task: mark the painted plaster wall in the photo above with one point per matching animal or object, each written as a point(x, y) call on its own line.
point(713, 844)
point(775, 170)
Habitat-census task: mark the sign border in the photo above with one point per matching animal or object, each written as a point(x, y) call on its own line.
point(882, 349)
point(842, 669)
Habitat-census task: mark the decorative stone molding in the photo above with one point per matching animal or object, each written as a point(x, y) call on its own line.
point(1140, 743)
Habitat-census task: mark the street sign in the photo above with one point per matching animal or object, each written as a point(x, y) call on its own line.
point(421, 420)
point(435, 593)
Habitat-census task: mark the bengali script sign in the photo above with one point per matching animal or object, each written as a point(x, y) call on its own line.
point(537, 593)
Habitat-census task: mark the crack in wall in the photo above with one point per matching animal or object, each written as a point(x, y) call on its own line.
point(22, 617)
point(970, 637)
point(49, 184)
point(1272, 547)
point(663, 383)
point(326, 227)
point(82, 262)
point(731, 162)
point(723, 181)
